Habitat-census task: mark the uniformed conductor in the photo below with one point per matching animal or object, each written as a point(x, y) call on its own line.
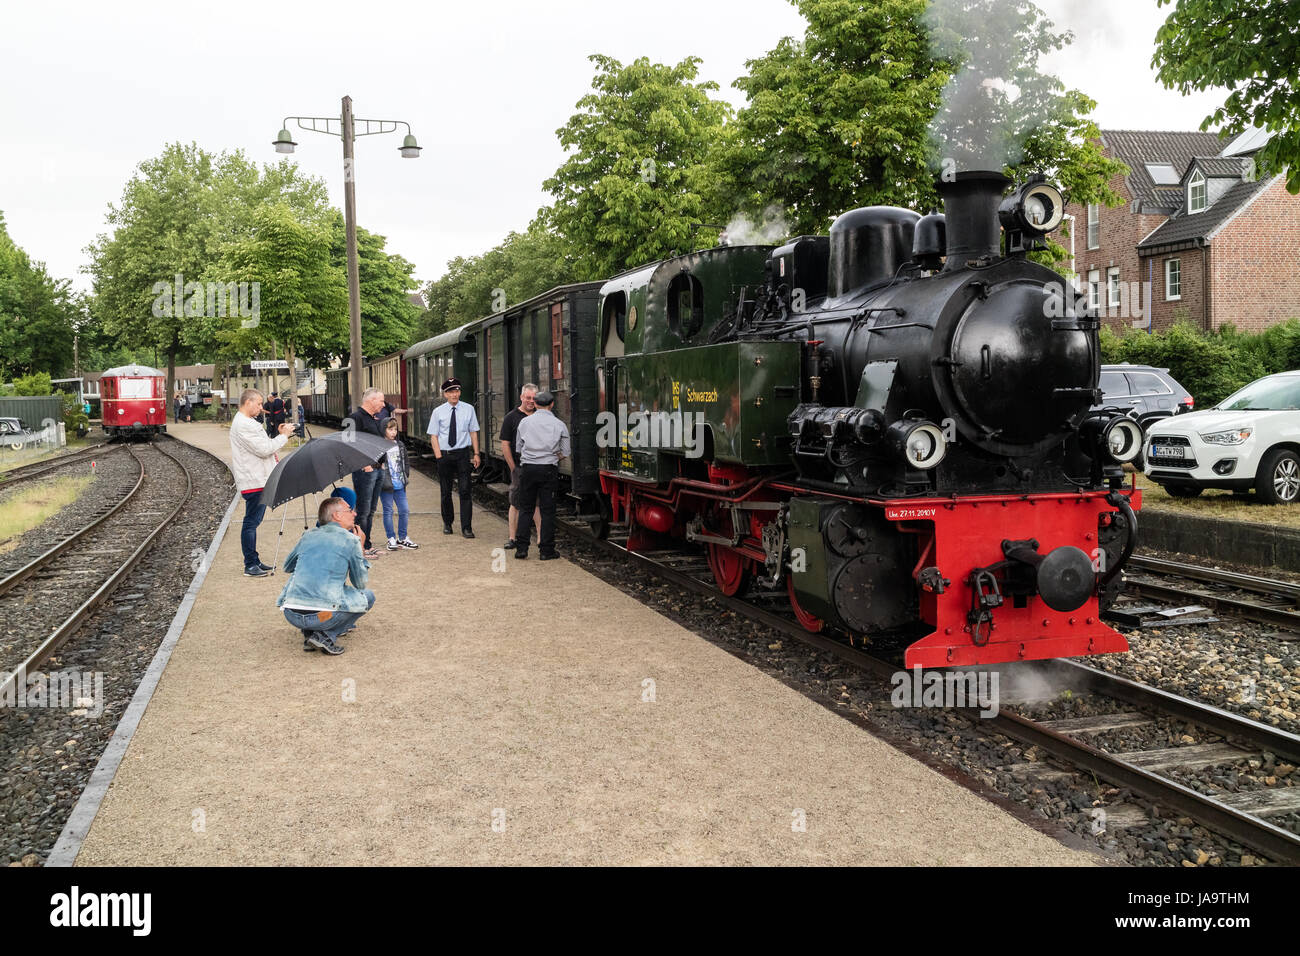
point(453, 431)
point(543, 441)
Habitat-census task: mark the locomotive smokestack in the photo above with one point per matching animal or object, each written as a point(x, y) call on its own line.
point(970, 208)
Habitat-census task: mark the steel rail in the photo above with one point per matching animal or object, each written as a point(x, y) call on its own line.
point(1245, 582)
point(10, 478)
point(1280, 742)
point(27, 570)
point(1260, 613)
point(69, 626)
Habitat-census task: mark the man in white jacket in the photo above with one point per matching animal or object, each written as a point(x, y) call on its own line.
point(252, 459)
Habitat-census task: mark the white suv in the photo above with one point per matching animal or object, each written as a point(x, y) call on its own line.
point(1249, 440)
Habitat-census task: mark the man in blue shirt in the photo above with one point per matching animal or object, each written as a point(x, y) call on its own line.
point(453, 431)
point(318, 599)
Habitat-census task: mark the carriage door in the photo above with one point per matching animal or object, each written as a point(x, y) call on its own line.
point(496, 383)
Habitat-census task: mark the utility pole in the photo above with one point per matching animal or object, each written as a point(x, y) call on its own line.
point(354, 269)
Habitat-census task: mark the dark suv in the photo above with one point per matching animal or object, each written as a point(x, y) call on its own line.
point(1144, 393)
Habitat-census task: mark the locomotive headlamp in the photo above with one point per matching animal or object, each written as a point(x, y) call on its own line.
point(1124, 439)
point(1033, 210)
point(921, 444)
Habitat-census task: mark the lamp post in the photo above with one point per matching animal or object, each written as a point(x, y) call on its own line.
point(347, 129)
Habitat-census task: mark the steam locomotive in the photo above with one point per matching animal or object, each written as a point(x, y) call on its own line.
point(892, 424)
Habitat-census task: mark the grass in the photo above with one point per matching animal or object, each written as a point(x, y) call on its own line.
point(28, 508)
point(1220, 505)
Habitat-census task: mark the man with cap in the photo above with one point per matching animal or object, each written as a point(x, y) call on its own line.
point(543, 440)
point(453, 431)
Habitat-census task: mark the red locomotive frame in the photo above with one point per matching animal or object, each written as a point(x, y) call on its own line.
point(957, 535)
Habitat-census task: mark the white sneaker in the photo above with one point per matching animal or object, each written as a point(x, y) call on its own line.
point(392, 544)
point(408, 543)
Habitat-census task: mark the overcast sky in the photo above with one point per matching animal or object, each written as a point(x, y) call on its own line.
point(88, 90)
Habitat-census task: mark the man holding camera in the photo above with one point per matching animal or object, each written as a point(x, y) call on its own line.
point(252, 459)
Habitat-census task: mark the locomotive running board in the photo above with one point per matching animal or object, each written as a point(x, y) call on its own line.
point(967, 533)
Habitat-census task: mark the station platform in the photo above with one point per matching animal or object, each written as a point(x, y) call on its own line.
point(492, 711)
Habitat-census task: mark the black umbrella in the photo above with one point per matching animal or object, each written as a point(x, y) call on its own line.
point(322, 462)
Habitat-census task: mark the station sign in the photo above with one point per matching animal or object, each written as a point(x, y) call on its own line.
point(269, 365)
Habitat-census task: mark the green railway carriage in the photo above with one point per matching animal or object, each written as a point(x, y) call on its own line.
point(547, 340)
point(673, 401)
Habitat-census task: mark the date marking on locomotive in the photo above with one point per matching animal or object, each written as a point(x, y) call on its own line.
point(903, 514)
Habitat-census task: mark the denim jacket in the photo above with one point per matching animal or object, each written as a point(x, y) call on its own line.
point(322, 561)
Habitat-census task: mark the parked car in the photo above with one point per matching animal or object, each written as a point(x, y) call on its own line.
point(1144, 393)
point(14, 434)
point(1249, 440)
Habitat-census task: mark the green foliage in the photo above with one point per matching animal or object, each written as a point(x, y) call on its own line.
point(854, 114)
point(524, 265)
point(388, 315)
point(37, 383)
point(38, 314)
point(635, 187)
point(303, 295)
point(75, 419)
point(1250, 47)
point(1209, 365)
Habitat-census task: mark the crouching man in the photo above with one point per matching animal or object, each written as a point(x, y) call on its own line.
point(318, 598)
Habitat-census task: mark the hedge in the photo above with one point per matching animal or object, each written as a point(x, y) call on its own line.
point(1210, 365)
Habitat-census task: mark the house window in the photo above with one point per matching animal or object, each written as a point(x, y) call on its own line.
point(1094, 290)
point(1196, 201)
point(1094, 225)
point(1173, 279)
point(1112, 288)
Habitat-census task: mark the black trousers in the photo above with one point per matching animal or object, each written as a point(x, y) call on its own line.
point(537, 485)
point(454, 467)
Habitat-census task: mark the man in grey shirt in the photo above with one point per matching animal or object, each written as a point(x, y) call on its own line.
point(543, 440)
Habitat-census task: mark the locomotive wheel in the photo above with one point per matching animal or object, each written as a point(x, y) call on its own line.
point(806, 620)
point(730, 570)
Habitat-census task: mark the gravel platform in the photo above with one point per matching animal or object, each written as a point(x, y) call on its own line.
point(494, 711)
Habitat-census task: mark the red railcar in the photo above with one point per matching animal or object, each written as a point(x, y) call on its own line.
point(134, 401)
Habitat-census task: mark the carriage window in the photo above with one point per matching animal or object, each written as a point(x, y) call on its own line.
point(612, 324)
point(135, 388)
point(685, 305)
point(557, 340)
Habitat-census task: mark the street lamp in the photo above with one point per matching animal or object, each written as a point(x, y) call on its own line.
point(346, 127)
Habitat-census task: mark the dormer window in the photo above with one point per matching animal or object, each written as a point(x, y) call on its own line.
point(1196, 201)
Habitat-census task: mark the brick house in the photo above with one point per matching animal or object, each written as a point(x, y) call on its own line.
point(1212, 242)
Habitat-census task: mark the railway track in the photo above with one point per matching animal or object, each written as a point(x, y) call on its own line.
point(45, 601)
point(1161, 580)
point(1242, 816)
point(27, 472)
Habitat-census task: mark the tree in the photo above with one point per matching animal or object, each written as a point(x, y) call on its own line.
point(178, 214)
point(1253, 49)
point(867, 106)
point(524, 265)
point(386, 282)
point(302, 301)
point(635, 187)
point(37, 315)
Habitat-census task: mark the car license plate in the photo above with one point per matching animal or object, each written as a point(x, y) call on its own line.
point(1167, 452)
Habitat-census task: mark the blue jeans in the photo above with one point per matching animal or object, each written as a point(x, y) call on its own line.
point(366, 485)
point(389, 498)
point(332, 629)
point(254, 511)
